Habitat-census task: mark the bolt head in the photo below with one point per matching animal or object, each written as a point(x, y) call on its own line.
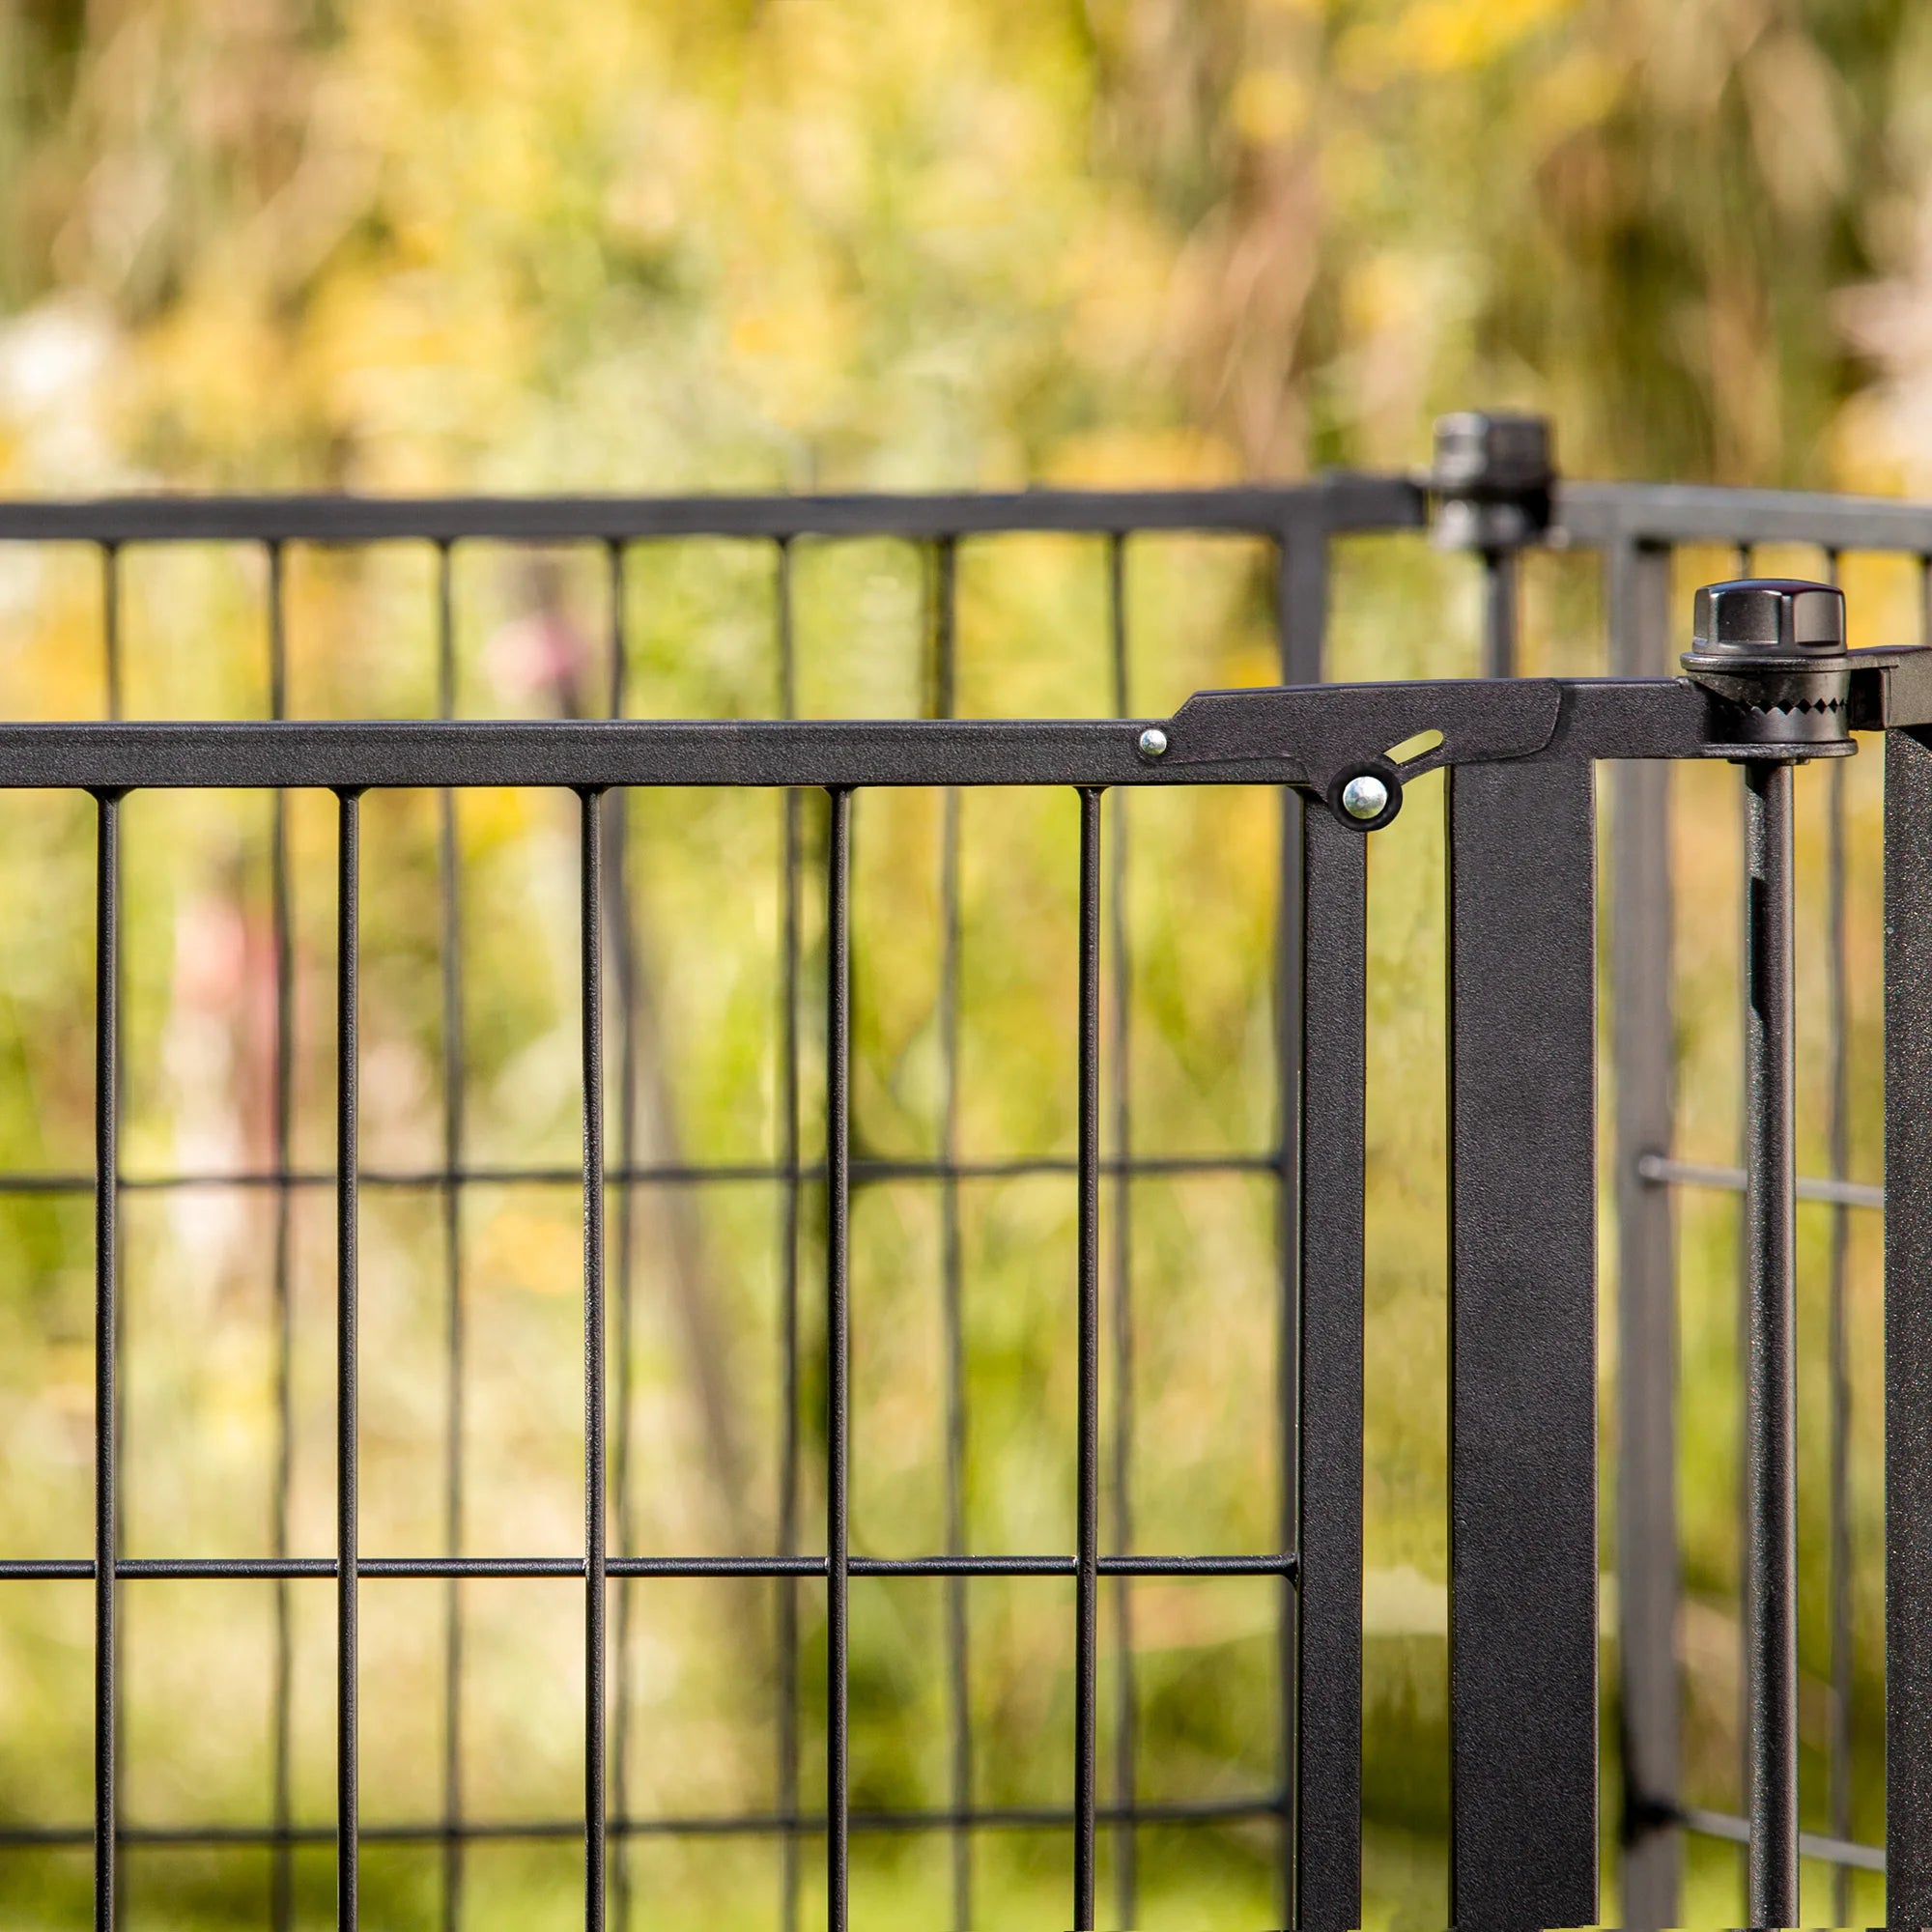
point(1154, 742)
point(1365, 796)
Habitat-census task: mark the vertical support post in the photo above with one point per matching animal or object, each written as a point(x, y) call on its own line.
point(348, 888)
point(106, 1205)
point(839, 1350)
point(1522, 1311)
point(1907, 1330)
point(1771, 1630)
point(1301, 619)
point(1328, 1530)
point(1643, 1054)
point(1086, 1577)
point(595, 1516)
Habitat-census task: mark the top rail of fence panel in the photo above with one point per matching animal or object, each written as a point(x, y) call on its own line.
point(1602, 514)
point(1338, 501)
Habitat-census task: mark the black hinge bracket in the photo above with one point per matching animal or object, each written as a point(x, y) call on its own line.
point(1349, 732)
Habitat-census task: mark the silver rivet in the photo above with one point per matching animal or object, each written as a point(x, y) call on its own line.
point(1154, 742)
point(1365, 796)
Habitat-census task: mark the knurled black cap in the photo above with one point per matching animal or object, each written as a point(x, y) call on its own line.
point(1768, 618)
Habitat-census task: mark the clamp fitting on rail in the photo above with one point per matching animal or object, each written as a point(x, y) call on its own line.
point(1491, 480)
point(1771, 653)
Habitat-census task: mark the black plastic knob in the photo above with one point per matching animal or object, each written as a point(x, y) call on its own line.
point(1771, 652)
point(1755, 616)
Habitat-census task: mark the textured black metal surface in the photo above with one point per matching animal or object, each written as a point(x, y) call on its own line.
point(1907, 1330)
point(1087, 1422)
point(1273, 735)
point(1523, 1603)
point(348, 1616)
point(838, 1356)
point(1351, 728)
point(596, 1510)
point(1328, 1771)
point(1301, 613)
point(106, 1190)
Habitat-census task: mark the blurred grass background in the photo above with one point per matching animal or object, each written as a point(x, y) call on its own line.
point(477, 244)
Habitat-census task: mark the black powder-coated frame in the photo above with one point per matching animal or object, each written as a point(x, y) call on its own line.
point(1522, 942)
point(1321, 1070)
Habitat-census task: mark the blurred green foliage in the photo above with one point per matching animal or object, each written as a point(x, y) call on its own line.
point(788, 243)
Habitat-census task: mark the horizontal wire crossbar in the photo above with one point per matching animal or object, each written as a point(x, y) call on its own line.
point(243, 1569)
point(1661, 1171)
point(655, 1175)
point(1819, 1845)
point(752, 1824)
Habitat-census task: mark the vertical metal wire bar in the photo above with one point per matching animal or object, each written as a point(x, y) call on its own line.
point(1301, 621)
point(106, 1191)
point(1642, 1037)
point(281, 1867)
point(1500, 568)
point(347, 1381)
point(623, 959)
point(1771, 1650)
point(790, 832)
point(595, 1527)
point(839, 1350)
point(110, 641)
point(959, 1715)
point(449, 893)
point(1907, 1330)
point(1839, 1753)
point(1125, 1795)
point(1085, 1628)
